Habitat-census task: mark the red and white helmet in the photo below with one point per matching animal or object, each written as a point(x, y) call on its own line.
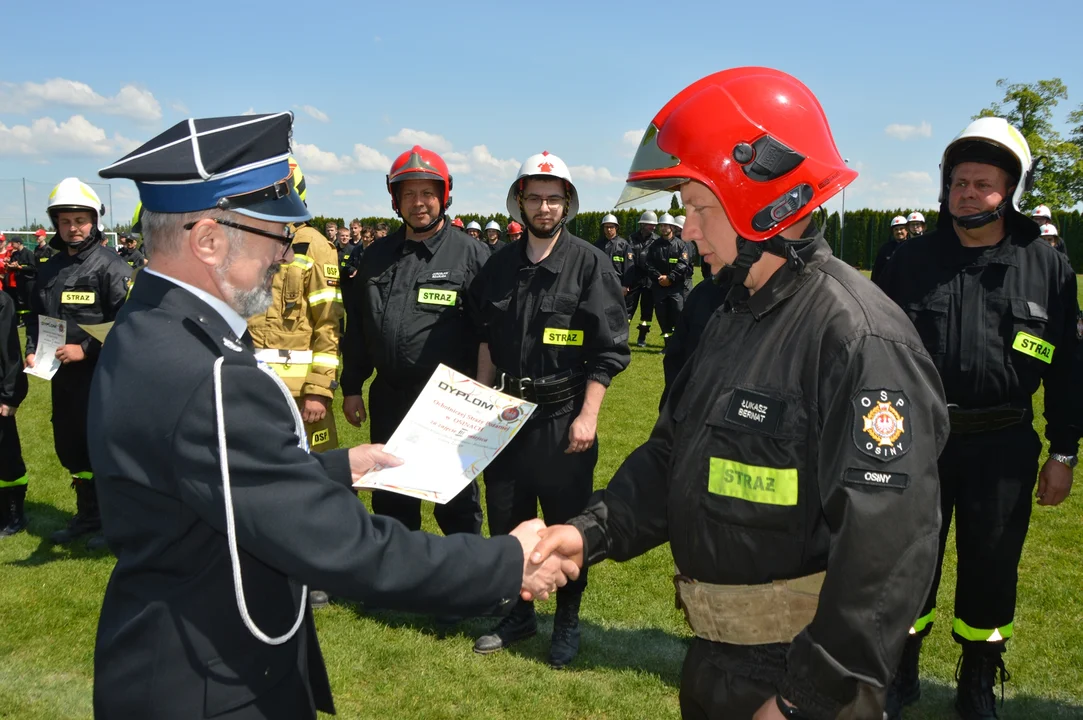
point(898, 220)
point(1049, 230)
point(457, 222)
point(1042, 212)
point(417, 163)
point(756, 137)
point(545, 165)
point(915, 217)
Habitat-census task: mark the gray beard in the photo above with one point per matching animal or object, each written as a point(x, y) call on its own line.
point(253, 302)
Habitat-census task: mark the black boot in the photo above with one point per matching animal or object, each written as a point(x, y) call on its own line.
point(5, 506)
point(86, 519)
point(975, 676)
point(643, 330)
point(519, 625)
point(905, 688)
point(565, 644)
point(14, 499)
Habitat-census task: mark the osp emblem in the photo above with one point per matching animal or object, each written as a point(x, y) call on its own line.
point(880, 426)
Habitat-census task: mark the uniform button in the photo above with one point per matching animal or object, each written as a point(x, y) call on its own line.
point(266, 672)
point(203, 319)
point(505, 601)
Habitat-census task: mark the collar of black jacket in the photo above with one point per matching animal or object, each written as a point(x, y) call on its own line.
point(159, 292)
point(787, 280)
point(1019, 231)
point(430, 243)
point(554, 261)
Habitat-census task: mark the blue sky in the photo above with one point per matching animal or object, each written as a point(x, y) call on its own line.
point(489, 84)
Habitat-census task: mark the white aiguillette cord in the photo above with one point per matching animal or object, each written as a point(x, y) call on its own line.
point(231, 531)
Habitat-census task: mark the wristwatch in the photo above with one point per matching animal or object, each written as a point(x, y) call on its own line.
point(1069, 460)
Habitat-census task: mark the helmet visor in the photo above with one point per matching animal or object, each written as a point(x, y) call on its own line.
point(650, 157)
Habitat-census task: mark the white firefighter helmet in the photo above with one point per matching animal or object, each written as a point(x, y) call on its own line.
point(610, 219)
point(667, 219)
point(493, 225)
point(680, 220)
point(1049, 230)
point(648, 218)
point(545, 165)
point(1042, 211)
point(998, 133)
point(897, 221)
point(915, 217)
point(473, 225)
point(74, 194)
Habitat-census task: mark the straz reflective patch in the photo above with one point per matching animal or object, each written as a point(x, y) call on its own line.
point(429, 296)
point(77, 298)
point(330, 271)
point(556, 336)
point(618, 258)
point(768, 486)
point(881, 429)
point(872, 478)
point(320, 437)
point(673, 261)
point(1033, 346)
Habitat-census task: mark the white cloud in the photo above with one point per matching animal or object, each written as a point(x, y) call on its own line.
point(913, 177)
point(369, 159)
point(130, 101)
point(483, 161)
point(179, 107)
point(908, 132)
point(249, 111)
point(632, 137)
point(592, 175)
point(74, 136)
point(351, 192)
point(312, 158)
point(314, 112)
point(411, 137)
point(904, 189)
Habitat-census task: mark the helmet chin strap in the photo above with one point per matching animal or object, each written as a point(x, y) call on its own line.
point(422, 230)
point(973, 222)
point(748, 253)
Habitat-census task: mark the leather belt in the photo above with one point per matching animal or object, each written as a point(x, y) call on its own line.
point(968, 421)
point(549, 390)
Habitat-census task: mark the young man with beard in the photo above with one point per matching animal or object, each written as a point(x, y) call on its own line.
point(402, 332)
point(550, 312)
point(218, 515)
point(793, 466)
point(83, 284)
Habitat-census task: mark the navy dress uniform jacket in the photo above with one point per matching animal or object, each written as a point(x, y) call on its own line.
point(171, 642)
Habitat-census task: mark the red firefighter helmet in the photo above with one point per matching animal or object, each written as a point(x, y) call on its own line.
point(756, 137)
point(417, 163)
point(457, 223)
point(514, 227)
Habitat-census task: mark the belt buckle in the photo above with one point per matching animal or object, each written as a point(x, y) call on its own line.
point(522, 389)
point(289, 354)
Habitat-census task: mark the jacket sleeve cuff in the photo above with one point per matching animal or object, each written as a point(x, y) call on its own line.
point(337, 465)
point(600, 375)
point(319, 384)
point(595, 546)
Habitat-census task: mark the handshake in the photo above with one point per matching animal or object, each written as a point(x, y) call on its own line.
point(551, 557)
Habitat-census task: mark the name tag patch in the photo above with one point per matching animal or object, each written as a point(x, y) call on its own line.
point(77, 298)
point(330, 271)
point(769, 486)
point(429, 296)
point(556, 336)
point(440, 275)
point(754, 411)
point(881, 428)
point(872, 478)
point(1034, 346)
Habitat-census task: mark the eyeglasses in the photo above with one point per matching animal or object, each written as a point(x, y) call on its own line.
point(535, 201)
point(286, 238)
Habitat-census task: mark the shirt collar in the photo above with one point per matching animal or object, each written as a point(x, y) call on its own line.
point(787, 280)
point(554, 261)
point(236, 323)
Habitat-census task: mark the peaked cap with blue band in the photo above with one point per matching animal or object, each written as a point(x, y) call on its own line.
point(239, 164)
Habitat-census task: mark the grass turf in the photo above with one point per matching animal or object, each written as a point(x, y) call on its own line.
point(389, 665)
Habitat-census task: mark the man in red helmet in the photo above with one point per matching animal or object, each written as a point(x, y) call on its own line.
point(793, 465)
point(403, 333)
point(515, 231)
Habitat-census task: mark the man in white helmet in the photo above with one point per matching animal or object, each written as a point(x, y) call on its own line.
point(1042, 215)
point(915, 224)
point(492, 236)
point(637, 277)
point(996, 309)
point(616, 248)
point(669, 268)
point(1052, 236)
point(550, 313)
point(899, 233)
point(473, 229)
point(83, 284)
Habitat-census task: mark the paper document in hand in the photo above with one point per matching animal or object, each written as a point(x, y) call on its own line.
point(453, 431)
point(52, 335)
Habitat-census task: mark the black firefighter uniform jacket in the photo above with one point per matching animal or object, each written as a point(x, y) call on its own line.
point(171, 641)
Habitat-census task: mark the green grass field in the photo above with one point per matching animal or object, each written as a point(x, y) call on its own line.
point(386, 665)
